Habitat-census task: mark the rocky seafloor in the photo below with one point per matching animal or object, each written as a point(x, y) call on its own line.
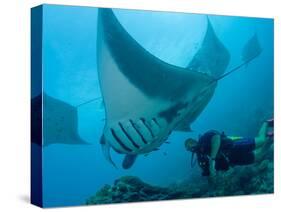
point(243, 180)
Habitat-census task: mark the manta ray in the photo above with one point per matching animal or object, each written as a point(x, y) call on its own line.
point(59, 120)
point(145, 98)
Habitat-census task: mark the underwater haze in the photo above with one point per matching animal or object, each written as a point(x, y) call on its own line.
point(72, 173)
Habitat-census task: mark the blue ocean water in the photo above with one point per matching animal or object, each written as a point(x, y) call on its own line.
point(72, 173)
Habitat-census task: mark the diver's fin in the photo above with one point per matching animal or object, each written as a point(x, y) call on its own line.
point(106, 150)
point(182, 126)
point(270, 122)
point(128, 161)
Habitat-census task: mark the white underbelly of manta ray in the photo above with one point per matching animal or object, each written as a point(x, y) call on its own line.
point(136, 136)
point(134, 125)
point(138, 124)
point(144, 129)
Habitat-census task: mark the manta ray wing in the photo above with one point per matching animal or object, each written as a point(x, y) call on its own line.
point(144, 97)
point(251, 49)
point(60, 122)
point(212, 57)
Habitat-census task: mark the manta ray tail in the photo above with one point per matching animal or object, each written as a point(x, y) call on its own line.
point(89, 101)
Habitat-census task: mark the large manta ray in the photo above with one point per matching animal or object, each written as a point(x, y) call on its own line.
point(146, 98)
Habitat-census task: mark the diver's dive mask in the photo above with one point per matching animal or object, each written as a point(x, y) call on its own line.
point(191, 145)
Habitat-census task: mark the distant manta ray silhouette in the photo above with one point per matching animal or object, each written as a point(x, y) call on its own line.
point(59, 121)
point(145, 99)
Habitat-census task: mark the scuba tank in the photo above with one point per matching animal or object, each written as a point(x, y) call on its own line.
point(203, 149)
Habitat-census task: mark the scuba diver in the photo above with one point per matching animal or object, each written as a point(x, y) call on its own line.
point(217, 152)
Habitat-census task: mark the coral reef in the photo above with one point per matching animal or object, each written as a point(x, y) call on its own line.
point(132, 189)
point(251, 179)
point(255, 179)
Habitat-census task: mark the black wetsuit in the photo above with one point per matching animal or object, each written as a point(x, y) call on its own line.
point(238, 151)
